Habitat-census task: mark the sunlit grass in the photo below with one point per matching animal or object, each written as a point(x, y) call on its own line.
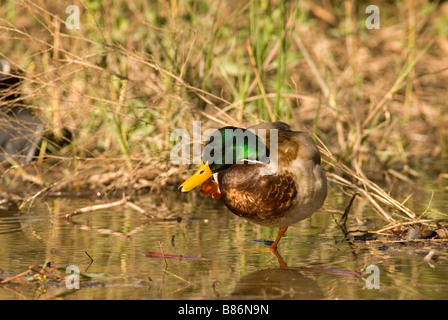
point(137, 70)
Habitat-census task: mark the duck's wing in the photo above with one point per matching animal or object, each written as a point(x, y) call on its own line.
point(291, 144)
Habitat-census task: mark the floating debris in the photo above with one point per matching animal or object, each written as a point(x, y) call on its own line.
point(174, 256)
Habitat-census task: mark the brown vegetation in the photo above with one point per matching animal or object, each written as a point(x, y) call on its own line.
point(137, 70)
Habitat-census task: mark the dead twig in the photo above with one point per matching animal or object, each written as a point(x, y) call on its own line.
point(342, 223)
point(94, 208)
point(176, 276)
point(139, 209)
point(408, 223)
point(123, 201)
point(33, 270)
point(91, 261)
point(16, 276)
point(163, 255)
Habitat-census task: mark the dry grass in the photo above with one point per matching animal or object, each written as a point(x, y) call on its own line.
point(136, 70)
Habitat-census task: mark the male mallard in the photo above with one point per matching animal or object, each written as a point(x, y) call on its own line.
point(258, 185)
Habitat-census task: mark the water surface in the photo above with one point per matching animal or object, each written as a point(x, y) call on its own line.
point(223, 256)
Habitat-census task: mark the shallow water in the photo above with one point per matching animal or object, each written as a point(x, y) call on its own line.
point(221, 256)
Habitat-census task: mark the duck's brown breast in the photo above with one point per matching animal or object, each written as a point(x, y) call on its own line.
point(263, 199)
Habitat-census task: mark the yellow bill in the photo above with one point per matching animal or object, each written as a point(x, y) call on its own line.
point(197, 179)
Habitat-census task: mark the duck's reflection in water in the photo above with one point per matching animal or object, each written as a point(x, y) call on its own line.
point(273, 284)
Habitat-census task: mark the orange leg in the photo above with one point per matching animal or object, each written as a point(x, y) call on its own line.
point(281, 232)
point(281, 262)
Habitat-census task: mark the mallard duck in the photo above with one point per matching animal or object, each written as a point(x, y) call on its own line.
point(274, 189)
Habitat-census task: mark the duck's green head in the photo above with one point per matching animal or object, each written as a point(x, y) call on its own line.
point(224, 148)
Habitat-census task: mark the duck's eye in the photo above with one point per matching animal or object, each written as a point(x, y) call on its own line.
point(201, 172)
